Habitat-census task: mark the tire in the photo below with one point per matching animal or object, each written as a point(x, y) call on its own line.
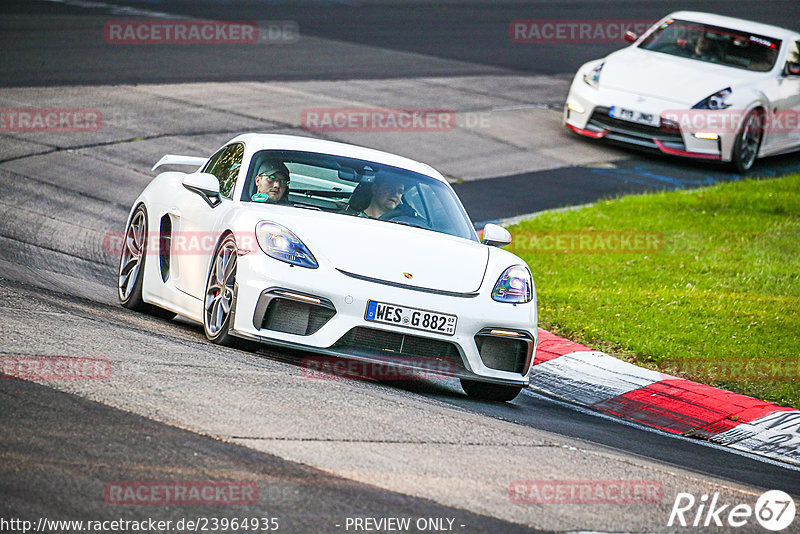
point(132, 258)
point(218, 300)
point(489, 392)
point(748, 141)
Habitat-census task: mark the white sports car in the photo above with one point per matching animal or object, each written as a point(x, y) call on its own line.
point(336, 249)
point(695, 85)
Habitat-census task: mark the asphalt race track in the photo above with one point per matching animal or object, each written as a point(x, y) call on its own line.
point(320, 452)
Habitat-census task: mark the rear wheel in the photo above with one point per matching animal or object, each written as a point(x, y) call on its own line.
point(490, 392)
point(131, 267)
point(219, 302)
point(745, 148)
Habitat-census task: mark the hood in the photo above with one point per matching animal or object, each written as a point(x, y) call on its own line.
point(670, 78)
point(385, 251)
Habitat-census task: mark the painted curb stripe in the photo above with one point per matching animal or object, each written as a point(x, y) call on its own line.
point(775, 436)
point(601, 382)
point(683, 407)
point(589, 377)
point(550, 346)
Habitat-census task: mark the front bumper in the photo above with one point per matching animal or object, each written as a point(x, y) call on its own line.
point(323, 310)
point(587, 113)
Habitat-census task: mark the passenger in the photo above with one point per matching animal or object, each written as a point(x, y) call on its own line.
point(272, 183)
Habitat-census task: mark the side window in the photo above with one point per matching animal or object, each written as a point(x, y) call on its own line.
point(794, 55)
point(225, 165)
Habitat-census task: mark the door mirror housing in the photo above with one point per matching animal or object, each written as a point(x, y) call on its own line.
point(495, 236)
point(792, 69)
point(630, 36)
point(204, 184)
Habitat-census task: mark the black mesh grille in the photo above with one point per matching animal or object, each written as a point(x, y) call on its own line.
point(394, 344)
point(295, 317)
point(502, 354)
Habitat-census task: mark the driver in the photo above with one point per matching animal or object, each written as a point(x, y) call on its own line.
point(386, 196)
point(272, 182)
point(705, 48)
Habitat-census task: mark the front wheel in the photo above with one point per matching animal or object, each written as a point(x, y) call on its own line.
point(490, 392)
point(748, 141)
point(218, 302)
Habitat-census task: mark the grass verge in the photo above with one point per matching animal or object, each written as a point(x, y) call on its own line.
point(707, 286)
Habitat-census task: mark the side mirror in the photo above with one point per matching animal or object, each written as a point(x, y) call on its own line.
point(630, 36)
point(204, 184)
point(791, 69)
point(495, 236)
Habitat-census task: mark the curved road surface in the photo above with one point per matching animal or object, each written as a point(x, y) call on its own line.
point(320, 452)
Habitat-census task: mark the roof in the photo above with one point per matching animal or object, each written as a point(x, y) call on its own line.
point(258, 141)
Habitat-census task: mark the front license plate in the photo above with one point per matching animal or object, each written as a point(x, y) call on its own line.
point(630, 115)
point(429, 321)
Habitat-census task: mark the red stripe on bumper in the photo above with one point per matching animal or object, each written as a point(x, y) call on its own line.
point(587, 133)
point(684, 153)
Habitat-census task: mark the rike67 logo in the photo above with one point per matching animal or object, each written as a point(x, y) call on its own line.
point(774, 510)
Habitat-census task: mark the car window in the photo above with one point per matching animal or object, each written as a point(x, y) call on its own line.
point(225, 165)
point(714, 44)
point(348, 186)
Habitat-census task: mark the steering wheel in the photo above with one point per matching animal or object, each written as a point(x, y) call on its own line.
point(408, 220)
point(407, 215)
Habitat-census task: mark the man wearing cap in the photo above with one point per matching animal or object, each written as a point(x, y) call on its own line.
point(272, 183)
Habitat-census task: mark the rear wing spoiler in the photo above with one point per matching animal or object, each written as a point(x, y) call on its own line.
point(172, 159)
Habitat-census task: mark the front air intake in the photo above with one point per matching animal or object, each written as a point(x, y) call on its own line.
point(510, 351)
point(292, 313)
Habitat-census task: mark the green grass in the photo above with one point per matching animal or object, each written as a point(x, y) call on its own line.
point(725, 284)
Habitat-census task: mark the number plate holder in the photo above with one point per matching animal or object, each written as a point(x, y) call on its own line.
point(409, 317)
point(631, 115)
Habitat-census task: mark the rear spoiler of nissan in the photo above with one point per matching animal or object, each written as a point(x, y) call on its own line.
point(172, 159)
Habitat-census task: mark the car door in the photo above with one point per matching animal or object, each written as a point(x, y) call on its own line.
point(197, 233)
point(783, 130)
point(791, 98)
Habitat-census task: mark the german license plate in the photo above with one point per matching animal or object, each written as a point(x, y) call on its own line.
point(640, 117)
point(427, 320)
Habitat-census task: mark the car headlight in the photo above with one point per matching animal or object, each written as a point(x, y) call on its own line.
point(279, 243)
point(593, 76)
point(515, 285)
point(715, 101)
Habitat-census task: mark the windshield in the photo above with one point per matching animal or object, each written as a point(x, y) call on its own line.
point(714, 44)
point(355, 188)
